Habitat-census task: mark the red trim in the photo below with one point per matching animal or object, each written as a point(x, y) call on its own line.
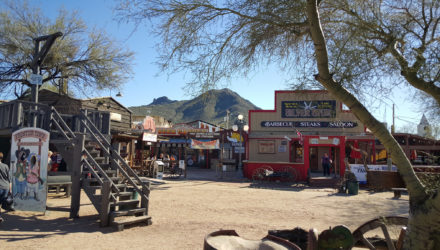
point(265, 138)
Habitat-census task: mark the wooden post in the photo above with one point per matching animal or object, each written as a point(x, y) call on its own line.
point(144, 201)
point(184, 158)
point(117, 147)
point(76, 176)
point(105, 204)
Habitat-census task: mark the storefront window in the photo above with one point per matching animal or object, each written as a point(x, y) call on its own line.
point(296, 152)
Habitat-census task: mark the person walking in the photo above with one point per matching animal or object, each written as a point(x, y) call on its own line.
point(5, 183)
point(325, 161)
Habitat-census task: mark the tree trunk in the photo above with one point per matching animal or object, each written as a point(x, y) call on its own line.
point(424, 219)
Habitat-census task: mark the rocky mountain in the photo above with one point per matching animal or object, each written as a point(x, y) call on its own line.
point(210, 107)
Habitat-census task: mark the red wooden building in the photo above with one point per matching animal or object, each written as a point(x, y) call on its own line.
point(303, 126)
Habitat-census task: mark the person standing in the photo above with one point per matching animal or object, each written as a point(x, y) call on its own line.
point(325, 161)
point(5, 182)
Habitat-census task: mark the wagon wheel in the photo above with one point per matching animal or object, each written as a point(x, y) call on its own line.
point(290, 174)
point(380, 233)
point(259, 174)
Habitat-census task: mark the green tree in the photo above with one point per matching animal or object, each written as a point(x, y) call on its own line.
point(354, 46)
point(83, 59)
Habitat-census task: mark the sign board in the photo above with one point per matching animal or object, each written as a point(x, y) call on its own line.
point(36, 79)
point(196, 144)
point(361, 174)
point(115, 117)
point(282, 148)
point(308, 109)
point(239, 150)
point(182, 164)
point(308, 124)
point(29, 156)
point(149, 137)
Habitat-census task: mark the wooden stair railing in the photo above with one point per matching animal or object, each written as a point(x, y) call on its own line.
point(108, 150)
point(110, 196)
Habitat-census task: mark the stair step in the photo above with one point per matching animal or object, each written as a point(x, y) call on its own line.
point(120, 222)
point(119, 186)
point(121, 194)
point(61, 141)
point(114, 179)
point(129, 212)
point(125, 203)
point(107, 171)
point(99, 158)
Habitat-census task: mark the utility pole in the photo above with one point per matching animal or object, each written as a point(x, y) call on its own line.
point(227, 118)
point(393, 127)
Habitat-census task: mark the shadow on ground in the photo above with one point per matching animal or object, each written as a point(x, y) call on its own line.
point(39, 228)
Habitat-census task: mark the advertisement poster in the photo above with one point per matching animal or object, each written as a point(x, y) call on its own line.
point(196, 144)
point(361, 174)
point(29, 155)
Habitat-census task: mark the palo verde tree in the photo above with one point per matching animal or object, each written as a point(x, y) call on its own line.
point(348, 47)
point(85, 59)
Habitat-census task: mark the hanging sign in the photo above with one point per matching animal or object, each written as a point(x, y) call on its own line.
point(36, 79)
point(29, 156)
point(149, 137)
point(308, 109)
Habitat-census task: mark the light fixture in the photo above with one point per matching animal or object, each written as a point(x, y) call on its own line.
point(240, 117)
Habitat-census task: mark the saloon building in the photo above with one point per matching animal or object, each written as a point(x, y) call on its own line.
point(303, 127)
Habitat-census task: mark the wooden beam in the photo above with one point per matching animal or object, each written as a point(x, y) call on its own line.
point(105, 204)
point(76, 176)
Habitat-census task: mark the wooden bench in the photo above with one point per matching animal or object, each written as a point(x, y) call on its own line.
point(66, 185)
point(60, 181)
point(398, 192)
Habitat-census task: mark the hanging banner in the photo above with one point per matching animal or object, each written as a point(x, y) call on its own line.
point(196, 144)
point(29, 155)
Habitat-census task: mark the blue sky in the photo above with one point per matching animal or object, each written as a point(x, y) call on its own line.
point(149, 83)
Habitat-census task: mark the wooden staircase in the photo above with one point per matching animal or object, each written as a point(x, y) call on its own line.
point(115, 190)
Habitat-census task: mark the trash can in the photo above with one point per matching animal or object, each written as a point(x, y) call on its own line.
point(353, 187)
point(159, 166)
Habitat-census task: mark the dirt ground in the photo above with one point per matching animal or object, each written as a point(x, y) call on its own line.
point(184, 211)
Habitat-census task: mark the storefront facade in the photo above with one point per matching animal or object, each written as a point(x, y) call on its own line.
point(303, 127)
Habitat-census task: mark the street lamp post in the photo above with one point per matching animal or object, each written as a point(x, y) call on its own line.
point(240, 126)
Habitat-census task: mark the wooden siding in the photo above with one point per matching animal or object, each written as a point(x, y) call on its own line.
point(62, 103)
point(109, 105)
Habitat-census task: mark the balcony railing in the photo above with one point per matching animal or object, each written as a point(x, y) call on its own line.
point(19, 114)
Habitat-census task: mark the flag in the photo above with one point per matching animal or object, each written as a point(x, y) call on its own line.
point(299, 135)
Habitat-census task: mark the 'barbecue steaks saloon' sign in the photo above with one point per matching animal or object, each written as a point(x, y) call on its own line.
point(308, 124)
point(308, 109)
